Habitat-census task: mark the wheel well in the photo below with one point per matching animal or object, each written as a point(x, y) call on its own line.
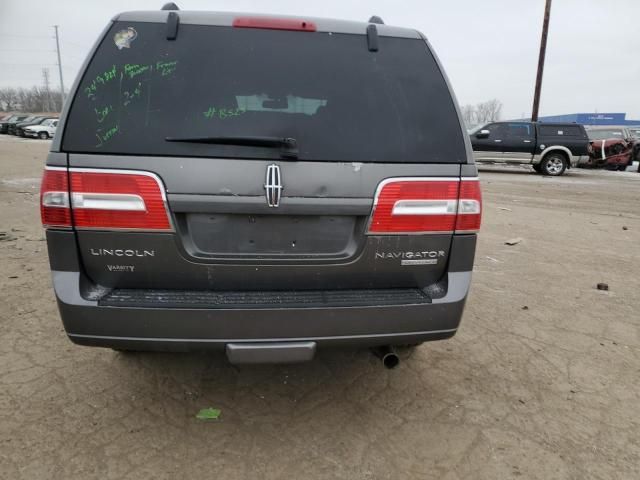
point(559, 152)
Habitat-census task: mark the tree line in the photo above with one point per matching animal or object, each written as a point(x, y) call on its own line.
point(34, 99)
point(481, 113)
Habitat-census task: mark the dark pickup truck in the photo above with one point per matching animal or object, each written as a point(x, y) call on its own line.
point(550, 148)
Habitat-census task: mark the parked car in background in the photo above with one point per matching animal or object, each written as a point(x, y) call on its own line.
point(550, 148)
point(4, 125)
point(44, 130)
point(19, 127)
point(614, 148)
point(11, 127)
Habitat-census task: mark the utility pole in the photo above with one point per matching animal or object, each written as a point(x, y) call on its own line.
point(543, 51)
point(45, 76)
point(59, 64)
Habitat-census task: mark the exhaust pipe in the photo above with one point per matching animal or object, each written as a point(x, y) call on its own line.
point(388, 355)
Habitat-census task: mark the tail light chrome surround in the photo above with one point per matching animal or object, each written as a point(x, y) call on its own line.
point(105, 199)
point(426, 205)
point(108, 201)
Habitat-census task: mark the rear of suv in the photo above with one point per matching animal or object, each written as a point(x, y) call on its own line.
point(262, 184)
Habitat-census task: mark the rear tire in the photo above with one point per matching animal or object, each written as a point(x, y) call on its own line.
point(43, 135)
point(553, 164)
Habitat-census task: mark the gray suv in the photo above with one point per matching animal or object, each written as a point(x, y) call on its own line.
point(265, 185)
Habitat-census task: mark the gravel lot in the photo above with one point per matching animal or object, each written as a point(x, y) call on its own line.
point(541, 382)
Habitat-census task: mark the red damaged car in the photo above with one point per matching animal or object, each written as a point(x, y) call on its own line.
point(612, 147)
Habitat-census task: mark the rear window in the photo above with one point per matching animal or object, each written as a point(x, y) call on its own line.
point(561, 131)
point(340, 101)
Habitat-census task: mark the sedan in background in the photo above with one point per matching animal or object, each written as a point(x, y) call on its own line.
point(19, 127)
point(4, 125)
point(11, 127)
point(46, 129)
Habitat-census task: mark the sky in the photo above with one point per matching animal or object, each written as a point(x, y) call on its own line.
point(489, 48)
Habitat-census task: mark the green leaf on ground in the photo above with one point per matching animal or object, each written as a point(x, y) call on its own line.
point(208, 414)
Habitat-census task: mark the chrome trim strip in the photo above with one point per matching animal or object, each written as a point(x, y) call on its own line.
point(260, 340)
point(386, 181)
point(431, 232)
point(425, 207)
point(108, 201)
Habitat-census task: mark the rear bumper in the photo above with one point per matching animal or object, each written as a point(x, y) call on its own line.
point(88, 322)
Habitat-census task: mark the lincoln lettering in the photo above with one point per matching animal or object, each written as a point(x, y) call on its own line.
point(119, 252)
point(410, 255)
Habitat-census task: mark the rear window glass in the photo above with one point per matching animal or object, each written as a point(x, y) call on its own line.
point(562, 130)
point(340, 101)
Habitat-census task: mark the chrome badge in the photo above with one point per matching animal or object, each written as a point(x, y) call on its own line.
point(273, 185)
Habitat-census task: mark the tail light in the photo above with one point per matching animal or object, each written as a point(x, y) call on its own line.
point(54, 198)
point(427, 205)
point(469, 207)
point(103, 199)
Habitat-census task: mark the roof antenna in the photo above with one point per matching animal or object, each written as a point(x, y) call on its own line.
point(170, 6)
point(376, 19)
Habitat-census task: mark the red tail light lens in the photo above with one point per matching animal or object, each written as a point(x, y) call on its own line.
point(54, 198)
point(469, 207)
point(274, 23)
point(105, 199)
point(419, 205)
point(119, 200)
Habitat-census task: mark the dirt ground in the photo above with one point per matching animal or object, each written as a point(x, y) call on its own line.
point(541, 382)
